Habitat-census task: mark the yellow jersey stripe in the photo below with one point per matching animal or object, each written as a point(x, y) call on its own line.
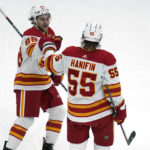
point(31, 83)
point(112, 86)
point(113, 94)
point(89, 113)
point(46, 65)
point(32, 76)
point(88, 106)
point(51, 64)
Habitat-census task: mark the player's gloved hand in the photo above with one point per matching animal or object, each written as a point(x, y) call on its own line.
point(121, 113)
point(57, 79)
point(58, 41)
point(45, 42)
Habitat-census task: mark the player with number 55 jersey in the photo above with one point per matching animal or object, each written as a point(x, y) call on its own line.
point(88, 69)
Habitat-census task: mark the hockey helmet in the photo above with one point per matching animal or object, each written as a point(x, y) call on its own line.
point(92, 32)
point(38, 11)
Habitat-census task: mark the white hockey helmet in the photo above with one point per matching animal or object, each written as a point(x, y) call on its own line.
point(38, 11)
point(92, 32)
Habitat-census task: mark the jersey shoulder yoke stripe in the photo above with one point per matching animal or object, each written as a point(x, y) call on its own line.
point(99, 56)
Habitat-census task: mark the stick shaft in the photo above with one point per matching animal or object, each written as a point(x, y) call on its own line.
point(112, 102)
point(10, 22)
point(115, 112)
point(125, 136)
point(63, 86)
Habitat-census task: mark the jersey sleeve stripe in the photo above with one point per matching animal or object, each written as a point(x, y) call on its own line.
point(115, 90)
point(49, 64)
point(112, 86)
point(47, 49)
point(48, 45)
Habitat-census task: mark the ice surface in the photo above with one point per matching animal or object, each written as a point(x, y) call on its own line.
point(126, 29)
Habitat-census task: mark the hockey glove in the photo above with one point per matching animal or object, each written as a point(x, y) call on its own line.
point(121, 113)
point(47, 43)
point(57, 79)
point(58, 41)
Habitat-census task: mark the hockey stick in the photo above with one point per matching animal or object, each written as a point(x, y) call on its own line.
point(21, 35)
point(10, 22)
point(133, 134)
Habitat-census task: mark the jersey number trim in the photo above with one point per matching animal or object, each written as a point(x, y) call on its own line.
point(20, 58)
point(85, 81)
point(113, 72)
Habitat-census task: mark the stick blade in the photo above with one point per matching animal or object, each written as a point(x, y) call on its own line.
point(132, 136)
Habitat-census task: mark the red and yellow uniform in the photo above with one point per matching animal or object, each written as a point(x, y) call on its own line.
point(88, 100)
point(87, 73)
point(33, 86)
point(30, 73)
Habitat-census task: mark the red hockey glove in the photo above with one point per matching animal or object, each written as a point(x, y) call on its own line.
point(46, 43)
point(57, 79)
point(58, 41)
point(121, 113)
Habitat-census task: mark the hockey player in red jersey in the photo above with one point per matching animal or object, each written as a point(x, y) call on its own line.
point(88, 69)
point(33, 86)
